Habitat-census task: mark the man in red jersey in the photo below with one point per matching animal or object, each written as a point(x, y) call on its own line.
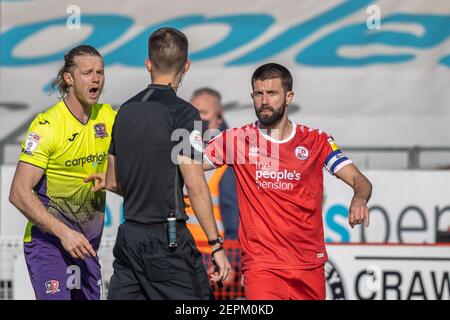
point(279, 173)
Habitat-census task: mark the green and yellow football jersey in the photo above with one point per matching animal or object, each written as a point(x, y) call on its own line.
point(69, 151)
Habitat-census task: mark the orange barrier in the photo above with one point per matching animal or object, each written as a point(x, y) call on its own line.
point(232, 288)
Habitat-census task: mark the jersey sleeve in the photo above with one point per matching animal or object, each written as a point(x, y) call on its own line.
point(190, 132)
point(111, 115)
point(39, 142)
point(335, 159)
point(216, 150)
point(112, 149)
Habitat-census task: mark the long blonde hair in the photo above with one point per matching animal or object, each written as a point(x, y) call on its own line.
point(69, 63)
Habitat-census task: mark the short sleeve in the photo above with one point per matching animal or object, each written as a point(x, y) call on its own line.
point(335, 159)
point(215, 150)
point(112, 149)
point(113, 115)
point(39, 142)
point(189, 129)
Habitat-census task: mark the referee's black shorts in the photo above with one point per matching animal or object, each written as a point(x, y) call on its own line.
point(146, 268)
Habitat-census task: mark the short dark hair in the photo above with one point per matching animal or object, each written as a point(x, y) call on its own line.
point(207, 90)
point(273, 71)
point(69, 63)
point(168, 50)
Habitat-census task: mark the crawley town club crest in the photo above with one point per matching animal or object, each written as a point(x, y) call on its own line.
point(301, 153)
point(100, 130)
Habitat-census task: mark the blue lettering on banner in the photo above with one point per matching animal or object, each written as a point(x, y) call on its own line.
point(244, 28)
point(106, 28)
point(300, 32)
point(335, 211)
point(446, 61)
point(325, 51)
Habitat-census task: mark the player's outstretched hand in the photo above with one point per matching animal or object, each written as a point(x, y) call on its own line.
point(221, 267)
point(77, 245)
point(98, 179)
point(358, 212)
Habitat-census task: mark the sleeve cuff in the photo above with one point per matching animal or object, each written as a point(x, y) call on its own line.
point(341, 165)
point(205, 157)
point(39, 165)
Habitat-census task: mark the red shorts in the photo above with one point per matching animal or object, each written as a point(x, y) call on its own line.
point(280, 284)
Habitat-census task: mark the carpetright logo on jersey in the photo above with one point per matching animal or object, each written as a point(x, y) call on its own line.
point(93, 159)
point(266, 178)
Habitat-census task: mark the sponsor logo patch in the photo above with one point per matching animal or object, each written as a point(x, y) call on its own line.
point(73, 137)
point(93, 159)
point(196, 141)
point(333, 144)
point(31, 143)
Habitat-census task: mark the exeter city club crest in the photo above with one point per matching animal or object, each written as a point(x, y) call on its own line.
point(52, 287)
point(100, 130)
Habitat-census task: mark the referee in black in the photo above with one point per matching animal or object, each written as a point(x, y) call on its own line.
point(146, 168)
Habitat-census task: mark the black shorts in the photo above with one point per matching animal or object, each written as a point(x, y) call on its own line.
point(146, 268)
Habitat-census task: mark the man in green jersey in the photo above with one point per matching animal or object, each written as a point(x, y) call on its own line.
point(64, 151)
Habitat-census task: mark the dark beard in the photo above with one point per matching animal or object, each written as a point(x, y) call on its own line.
point(274, 117)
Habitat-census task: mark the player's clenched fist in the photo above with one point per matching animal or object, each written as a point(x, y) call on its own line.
point(358, 212)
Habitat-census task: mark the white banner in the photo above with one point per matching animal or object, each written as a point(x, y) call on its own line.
point(406, 207)
point(390, 272)
point(369, 72)
point(12, 222)
point(354, 272)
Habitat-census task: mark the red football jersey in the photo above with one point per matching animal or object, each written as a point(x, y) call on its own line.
point(280, 191)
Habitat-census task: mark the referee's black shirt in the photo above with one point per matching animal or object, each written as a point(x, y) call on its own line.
point(142, 144)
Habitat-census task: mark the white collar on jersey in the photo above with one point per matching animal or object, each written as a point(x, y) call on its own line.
point(294, 130)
